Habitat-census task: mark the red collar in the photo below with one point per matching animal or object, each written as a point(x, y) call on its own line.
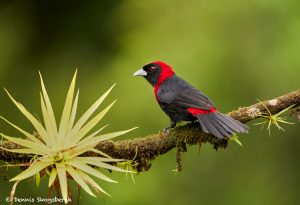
point(166, 72)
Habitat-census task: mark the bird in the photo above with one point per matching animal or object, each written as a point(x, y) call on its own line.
point(183, 102)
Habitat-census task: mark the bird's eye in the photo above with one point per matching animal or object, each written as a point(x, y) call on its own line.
point(152, 68)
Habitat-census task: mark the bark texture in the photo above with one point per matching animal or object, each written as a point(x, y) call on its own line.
point(145, 149)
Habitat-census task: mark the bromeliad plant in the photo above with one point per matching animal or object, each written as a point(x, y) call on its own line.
point(270, 119)
point(58, 148)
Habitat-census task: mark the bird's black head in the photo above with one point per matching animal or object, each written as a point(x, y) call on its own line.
point(155, 73)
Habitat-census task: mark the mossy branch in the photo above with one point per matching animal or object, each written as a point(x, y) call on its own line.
point(145, 149)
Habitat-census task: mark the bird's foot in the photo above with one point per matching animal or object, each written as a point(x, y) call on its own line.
point(167, 130)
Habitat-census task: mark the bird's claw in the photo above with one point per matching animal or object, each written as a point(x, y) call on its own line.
point(167, 130)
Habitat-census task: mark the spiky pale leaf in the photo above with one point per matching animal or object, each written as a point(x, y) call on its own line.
point(78, 178)
point(67, 110)
point(63, 182)
point(83, 119)
point(53, 176)
point(109, 136)
point(30, 136)
point(88, 145)
point(73, 114)
point(100, 164)
point(104, 159)
point(23, 151)
point(101, 153)
point(37, 125)
point(91, 136)
point(48, 105)
point(32, 170)
point(37, 179)
point(26, 143)
point(89, 170)
point(91, 124)
point(92, 183)
point(51, 132)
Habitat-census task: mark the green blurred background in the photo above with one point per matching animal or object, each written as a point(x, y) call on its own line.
point(235, 51)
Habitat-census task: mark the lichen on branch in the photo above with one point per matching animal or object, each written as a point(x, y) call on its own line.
point(145, 149)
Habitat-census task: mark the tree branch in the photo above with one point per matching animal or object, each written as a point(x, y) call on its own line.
point(144, 150)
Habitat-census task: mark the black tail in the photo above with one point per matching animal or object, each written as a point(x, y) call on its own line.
point(220, 125)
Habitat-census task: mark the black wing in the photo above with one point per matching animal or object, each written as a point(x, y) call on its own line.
point(180, 93)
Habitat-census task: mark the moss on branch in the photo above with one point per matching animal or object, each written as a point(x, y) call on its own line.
point(146, 149)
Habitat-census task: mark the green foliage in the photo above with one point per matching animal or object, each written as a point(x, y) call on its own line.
point(130, 166)
point(235, 138)
point(57, 148)
point(270, 119)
